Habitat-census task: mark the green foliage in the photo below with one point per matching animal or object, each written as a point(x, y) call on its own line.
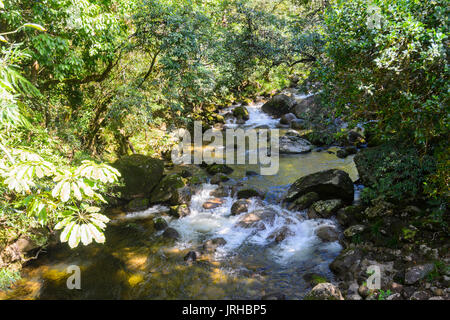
point(395, 73)
point(394, 172)
point(8, 277)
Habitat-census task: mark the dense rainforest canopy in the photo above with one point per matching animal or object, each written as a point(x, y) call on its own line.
point(84, 82)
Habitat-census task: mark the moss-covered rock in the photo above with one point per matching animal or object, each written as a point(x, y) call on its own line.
point(172, 190)
point(279, 105)
point(219, 168)
point(324, 291)
point(329, 184)
point(138, 204)
point(304, 201)
point(324, 208)
point(241, 112)
point(140, 175)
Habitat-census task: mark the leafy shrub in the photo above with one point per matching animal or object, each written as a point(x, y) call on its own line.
point(393, 172)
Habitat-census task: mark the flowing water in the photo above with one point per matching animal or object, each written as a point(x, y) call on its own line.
point(137, 263)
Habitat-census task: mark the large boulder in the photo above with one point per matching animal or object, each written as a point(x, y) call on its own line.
point(324, 291)
point(279, 105)
point(327, 233)
point(329, 184)
point(140, 175)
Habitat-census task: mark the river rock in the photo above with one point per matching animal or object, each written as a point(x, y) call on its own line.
point(256, 219)
point(299, 124)
point(280, 234)
point(179, 211)
point(221, 192)
point(345, 152)
point(324, 291)
point(287, 118)
point(218, 178)
point(354, 230)
point(160, 224)
point(290, 144)
point(171, 233)
point(213, 203)
point(279, 105)
point(324, 208)
point(241, 112)
point(346, 263)
point(191, 256)
point(308, 107)
point(416, 273)
point(172, 190)
point(249, 193)
point(219, 168)
point(138, 204)
point(349, 215)
point(329, 184)
point(304, 201)
point(240, 206)
point(327, 233)
point(140, 175)
point(274, 296)
point(212, 244)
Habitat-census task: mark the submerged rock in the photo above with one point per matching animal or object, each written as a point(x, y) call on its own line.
point(280, 234)
point(138, 204)
point(212, 244)
point(329, 184)
point(140, 175)
point(274, 296)
point(324, 291)
point(171, 233)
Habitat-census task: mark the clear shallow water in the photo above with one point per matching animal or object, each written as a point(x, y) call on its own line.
point(137, 263)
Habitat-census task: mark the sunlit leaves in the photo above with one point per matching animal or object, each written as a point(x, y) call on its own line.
point(83, 225)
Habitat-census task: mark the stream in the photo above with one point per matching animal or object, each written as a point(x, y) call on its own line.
point(137, 263)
